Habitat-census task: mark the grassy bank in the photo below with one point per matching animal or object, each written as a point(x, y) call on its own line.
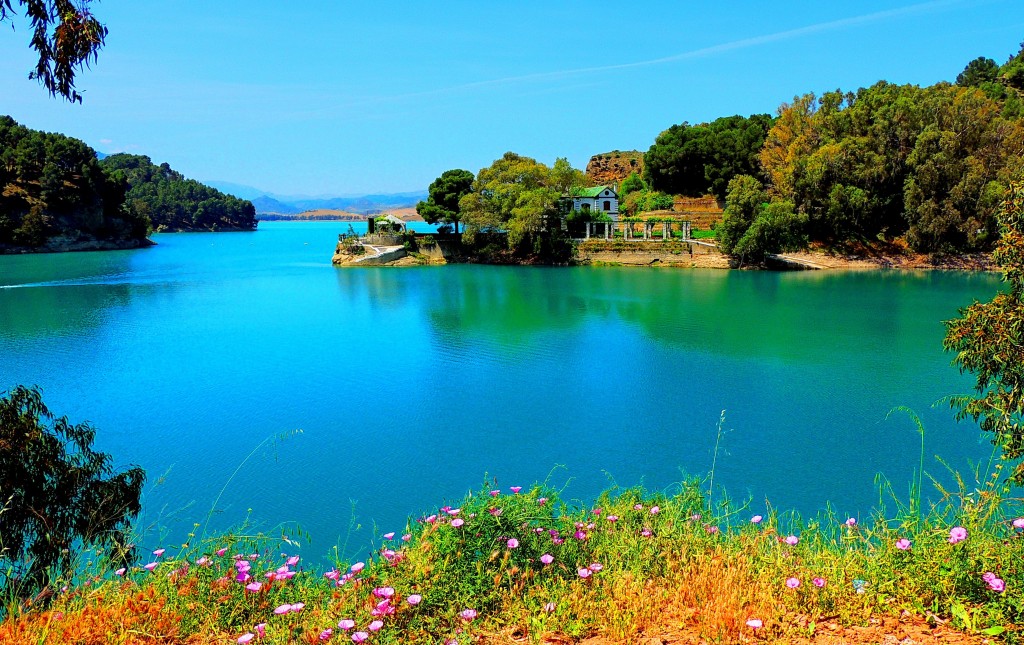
point(509, 564)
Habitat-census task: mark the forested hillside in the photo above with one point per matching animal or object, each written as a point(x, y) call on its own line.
point(925, 167)
point(55, 196)
point(174, 203)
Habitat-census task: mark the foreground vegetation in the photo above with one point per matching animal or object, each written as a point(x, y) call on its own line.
point(523, 562)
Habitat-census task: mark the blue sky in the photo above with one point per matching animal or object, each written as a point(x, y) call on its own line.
point(323, 97)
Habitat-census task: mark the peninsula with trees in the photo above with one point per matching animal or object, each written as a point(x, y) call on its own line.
point(882, 174)
point(57, 195)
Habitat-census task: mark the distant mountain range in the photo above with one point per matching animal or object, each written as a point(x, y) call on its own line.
point(292, 204)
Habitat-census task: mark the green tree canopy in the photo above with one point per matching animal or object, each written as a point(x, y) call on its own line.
point(988, 339)
point(979, 71)
point(442, 204)
point(1012, 72)
point(695, 160)
point(66, 36)
point(753, 227)
point(52, 185)
point(514, 194)
point(630, 184)
point(930, 163)
point(58, 494)
point(175, 203)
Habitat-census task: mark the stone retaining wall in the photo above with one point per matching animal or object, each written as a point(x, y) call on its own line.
point(651, 253)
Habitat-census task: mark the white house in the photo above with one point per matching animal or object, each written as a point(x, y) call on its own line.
point(599, 198)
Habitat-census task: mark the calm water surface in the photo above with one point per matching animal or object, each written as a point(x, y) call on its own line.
point(410, 385)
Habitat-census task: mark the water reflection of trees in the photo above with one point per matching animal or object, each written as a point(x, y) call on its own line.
point(28, 312)
point(811, 316)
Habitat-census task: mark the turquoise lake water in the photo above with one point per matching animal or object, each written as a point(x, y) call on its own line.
point(411, 385)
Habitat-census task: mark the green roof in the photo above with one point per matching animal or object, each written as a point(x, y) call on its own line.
point(589, 192)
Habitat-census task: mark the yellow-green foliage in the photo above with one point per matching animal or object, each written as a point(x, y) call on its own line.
point(523, 561)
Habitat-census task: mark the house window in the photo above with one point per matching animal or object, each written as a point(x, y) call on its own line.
point(607, 205)
point(586, 207)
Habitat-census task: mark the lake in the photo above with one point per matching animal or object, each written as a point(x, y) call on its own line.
point(411, 385)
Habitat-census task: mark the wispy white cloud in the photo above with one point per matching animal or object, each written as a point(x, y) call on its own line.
point(703, 52)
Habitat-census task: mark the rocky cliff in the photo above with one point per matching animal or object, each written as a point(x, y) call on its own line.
point(612, 167)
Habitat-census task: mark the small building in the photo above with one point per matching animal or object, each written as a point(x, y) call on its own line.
point(602, 199)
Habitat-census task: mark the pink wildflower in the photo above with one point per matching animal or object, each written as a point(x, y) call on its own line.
point(495, 493)
point(120, 572)
point(646, 533)
point(406, 537)
point(326, 634)
point(495, 511)
point(346, 624)
point(756, 519)
point(204, 561)
point(261, 630)
point(613, 518)
point(580, 535)
point(357, 567)
point(384, 592)
point(512, 543)
point(292, 561)
point(851, 521)
point(254, 586)
point(245, 638)
point(595, 567)
point(655, 510)
point(388, 536)
point(515, 489)
point(903, 544)
point(453, 511)
point(414, 599)
point(818, 582)
point(994, 583)
point(792, 540)
point(281, 610)
point(755, 623)
point(376, 625)
point(383, 608)
point(1018, 523)
point(467, 614)
point(957, 534)
point(457, 522)
point(547, 558)
point(151, 566)
point(549, 607)
point(221, 552)
point(542, 501)
point(159, 552)
point(584, 573)
point(792, 583)
point(638, 507)
point(359, 637)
